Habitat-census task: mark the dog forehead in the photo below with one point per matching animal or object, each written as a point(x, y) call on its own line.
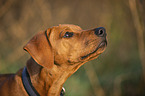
point(70, 26)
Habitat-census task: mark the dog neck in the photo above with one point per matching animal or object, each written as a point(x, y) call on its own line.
point(47, 82)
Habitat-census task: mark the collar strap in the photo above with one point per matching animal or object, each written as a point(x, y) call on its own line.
point(29, 87)
point(27, 83)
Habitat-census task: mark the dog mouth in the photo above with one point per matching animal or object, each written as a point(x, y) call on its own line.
point(100, 46)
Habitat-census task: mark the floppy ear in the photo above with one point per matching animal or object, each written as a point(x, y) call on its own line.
point(40, 49)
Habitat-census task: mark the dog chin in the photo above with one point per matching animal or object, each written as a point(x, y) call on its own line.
point(100, 49)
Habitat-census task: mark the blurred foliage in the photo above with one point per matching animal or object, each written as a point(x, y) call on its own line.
point(117, 72)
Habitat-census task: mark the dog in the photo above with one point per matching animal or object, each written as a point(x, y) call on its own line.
point(56, 54)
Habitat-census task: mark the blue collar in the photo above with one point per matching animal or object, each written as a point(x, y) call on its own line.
point(28, 85)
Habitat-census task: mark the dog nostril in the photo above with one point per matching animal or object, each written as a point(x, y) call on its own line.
point(100, 31)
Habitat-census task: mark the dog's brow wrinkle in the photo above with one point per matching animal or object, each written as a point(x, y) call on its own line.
point(56, 63)
point(50, 74)
point(68, 61)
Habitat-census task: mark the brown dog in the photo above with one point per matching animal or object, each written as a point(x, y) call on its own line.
point(56, 54)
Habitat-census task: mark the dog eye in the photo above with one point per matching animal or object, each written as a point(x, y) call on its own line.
point(68, 34)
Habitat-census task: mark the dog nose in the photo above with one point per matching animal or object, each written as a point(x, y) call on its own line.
point(101, 32)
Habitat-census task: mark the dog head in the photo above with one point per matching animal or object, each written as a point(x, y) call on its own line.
point(66, 45)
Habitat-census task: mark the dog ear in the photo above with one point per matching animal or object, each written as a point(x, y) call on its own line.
point(40, 49)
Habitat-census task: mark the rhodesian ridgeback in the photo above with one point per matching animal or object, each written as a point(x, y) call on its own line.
point(56, 54)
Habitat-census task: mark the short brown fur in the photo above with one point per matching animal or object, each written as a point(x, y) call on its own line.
point(54, 59)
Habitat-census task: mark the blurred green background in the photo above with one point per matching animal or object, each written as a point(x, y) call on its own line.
point(119, 71)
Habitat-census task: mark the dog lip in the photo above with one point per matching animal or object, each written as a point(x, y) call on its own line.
point(102, 44)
